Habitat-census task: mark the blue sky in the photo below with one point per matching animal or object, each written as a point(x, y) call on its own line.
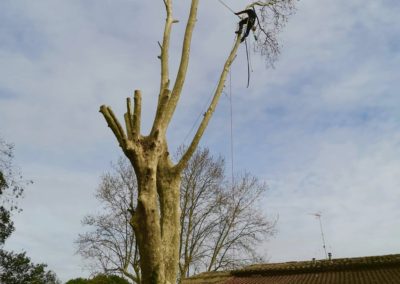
point(322, 128)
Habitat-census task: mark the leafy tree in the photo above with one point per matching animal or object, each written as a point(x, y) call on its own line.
point(156, 217)
point(107, 279)
point(220, 225)
point(77, 281)
point(11, 181)
point(18, 269)
point(11, 188)
point(6, 225)
point(99, 279)
point(15, 268)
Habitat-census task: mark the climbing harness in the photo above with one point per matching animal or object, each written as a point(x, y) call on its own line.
point(249, 69)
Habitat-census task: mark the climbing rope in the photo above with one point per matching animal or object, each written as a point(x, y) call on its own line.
point(230, 121)
point(203, 109)
point(200, 114)
point(249, 67)
point(229, 8)
point(231, 124)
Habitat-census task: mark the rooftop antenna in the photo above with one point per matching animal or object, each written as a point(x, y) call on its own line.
point(318, 215)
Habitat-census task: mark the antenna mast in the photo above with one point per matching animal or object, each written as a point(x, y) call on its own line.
point(318, 215)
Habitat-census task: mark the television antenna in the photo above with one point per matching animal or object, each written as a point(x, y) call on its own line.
point(318, 215)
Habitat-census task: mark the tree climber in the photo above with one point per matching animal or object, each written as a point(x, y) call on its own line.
point(249, 21)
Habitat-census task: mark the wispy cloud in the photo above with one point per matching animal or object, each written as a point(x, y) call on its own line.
point(322, 127)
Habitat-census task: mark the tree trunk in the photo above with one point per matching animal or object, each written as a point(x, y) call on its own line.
point(156, 219)
point(169, 186)
point(147, 229)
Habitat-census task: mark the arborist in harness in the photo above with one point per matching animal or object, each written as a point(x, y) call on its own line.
point(249, 21)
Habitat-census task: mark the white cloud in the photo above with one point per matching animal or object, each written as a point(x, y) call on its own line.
point(321, 128)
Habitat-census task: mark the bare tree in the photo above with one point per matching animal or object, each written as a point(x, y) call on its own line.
point(221, 226)
point(156, 217)
point(111, 243)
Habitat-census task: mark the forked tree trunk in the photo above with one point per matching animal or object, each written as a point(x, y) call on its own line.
point(156, 221)
point(156, 218)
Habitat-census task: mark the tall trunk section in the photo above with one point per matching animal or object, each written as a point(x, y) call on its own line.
point(156, 219)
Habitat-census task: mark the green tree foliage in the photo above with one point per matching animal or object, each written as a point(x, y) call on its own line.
point(6, 225)
point(7, 194)
point(12, 183)
point(18, 269)
point(15, 268)
point(100, 279)
point(11, 188)
point(108, 279)
point(77, 281)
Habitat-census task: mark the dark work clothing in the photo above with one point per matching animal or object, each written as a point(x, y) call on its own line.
point(250, 13)
point(249, 22)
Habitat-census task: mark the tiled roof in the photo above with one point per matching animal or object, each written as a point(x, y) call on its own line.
point(376, 269)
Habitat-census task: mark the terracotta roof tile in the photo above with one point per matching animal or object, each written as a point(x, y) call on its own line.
point(378, 276)
point(320, 265)
point(362, 270)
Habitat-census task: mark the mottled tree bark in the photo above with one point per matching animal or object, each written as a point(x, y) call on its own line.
point(156, 219)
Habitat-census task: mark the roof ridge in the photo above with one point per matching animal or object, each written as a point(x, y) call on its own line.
point(319, 265)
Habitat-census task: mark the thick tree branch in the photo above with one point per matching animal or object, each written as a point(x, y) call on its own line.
point(135, 263)
point(207, 116)
point(129, 275)
point(114, 124)
point(164, 57)
point(137, 113)
point(128, 142)
point(165, 46)
point(181, 76)
point(160, 113)
point(128, 118)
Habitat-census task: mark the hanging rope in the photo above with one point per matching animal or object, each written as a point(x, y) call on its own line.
point(234, 251)
point(203, 109)
point(200, 114)
point(231, 120)
point(248, 64)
